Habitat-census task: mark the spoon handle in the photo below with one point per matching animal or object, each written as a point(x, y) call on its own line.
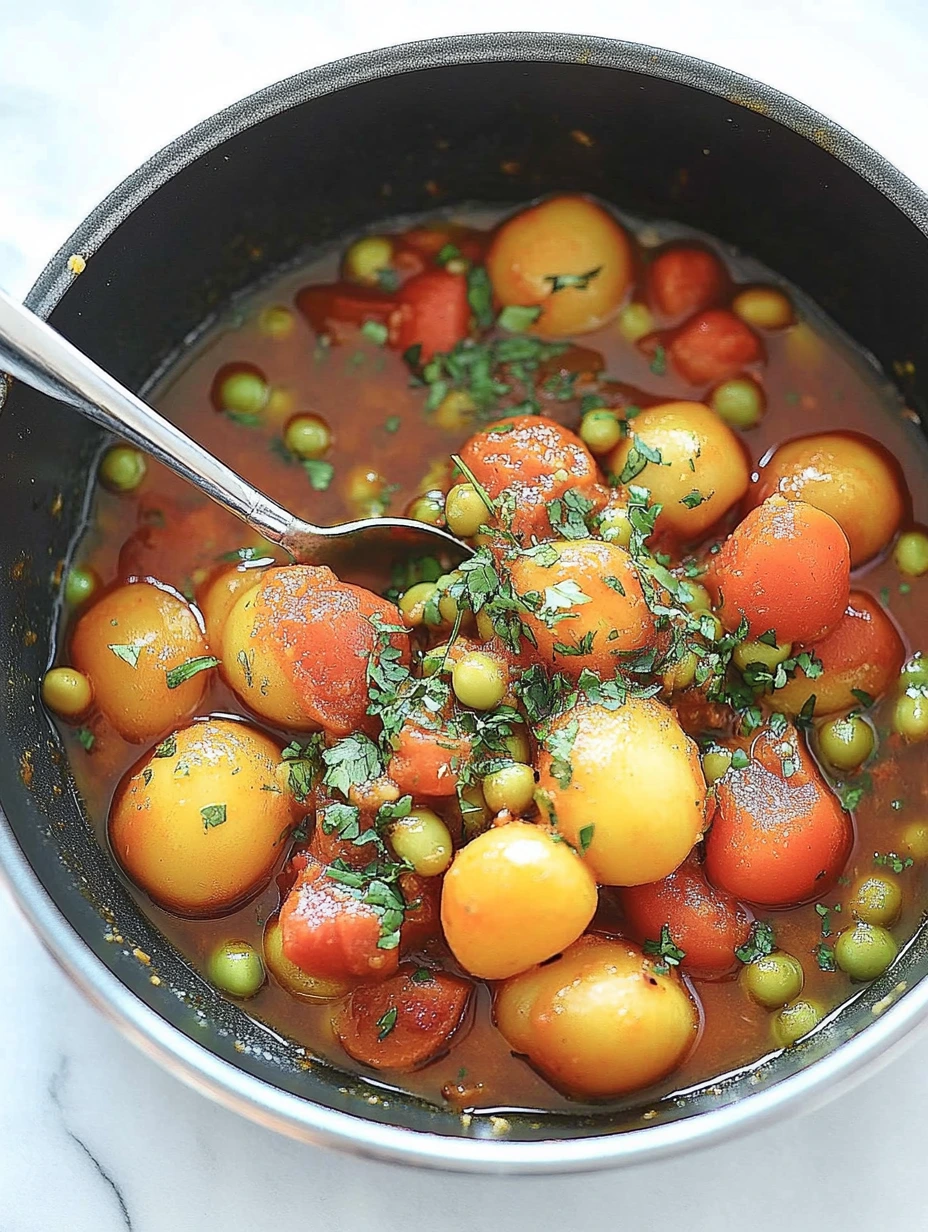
point(34, 353)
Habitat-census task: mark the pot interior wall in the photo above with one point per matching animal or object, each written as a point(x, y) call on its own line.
point(493, 132)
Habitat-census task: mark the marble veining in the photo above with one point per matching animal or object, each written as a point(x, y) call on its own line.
point(93, 1136)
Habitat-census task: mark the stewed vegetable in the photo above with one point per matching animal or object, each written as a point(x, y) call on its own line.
point(573, 817)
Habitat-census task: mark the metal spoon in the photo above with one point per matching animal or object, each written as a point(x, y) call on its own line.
point(33, 352)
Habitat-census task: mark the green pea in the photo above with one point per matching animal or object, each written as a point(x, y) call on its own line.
point(434, 659)
point(447, 604)
point(518, 745)
point(428, 508)
point(846, 743)
point(796, 1020)
point(79, 586)
point(243, 392)
point(877, 899)
point(694, 596)
point(760, 652)
point(915, 840)
point(475, 813)
point(67, 691)
point(910, 715)
point(740, 403)
point(716, 762)
point(276, 321)
point(914, 671)
point(865, 951)
point(236, 968)
point(634, 321)
point(465, 511)
point(600, 431)
point(412, 602)
point(122, 468)
point(773, 980)
point(307, 436)
point(911, 553)
point(511, 788)
point(423, 840)
point(615, 527)
point(479, 680)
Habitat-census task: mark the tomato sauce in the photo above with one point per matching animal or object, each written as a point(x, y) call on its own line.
point(814, 380)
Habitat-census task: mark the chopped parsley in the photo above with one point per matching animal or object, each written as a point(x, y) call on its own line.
point(516, 319)
point(319, 472)
point(167, 748)
point(176, 676)
point(889, 859)
point(87, 739)
point(759, 944)
point(694, 499)
point(586, 837)
point(666, 950)
point(580, 282)
point(351, 762)
point(825, 957)
point(375, 332)
point(386, 1023)
point(658, 364)
point(639, 455)
point(392, 423)
point(570, 515)
point(213, 815)
point(129, 653)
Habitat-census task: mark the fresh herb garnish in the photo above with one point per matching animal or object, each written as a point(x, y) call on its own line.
point(560, 282)
point(759, 944)
point(516, 319)
point(658, 364)
point(167, 748)
point(87, 739)
point(825, 957)
point(176, 676)
point(392, 423)
point(130, 653)
point(386, 1023)
point(319, 472)
point(375, 332)
point(213, 815)
point(666, 950)
point(889, 859)
point(639, 455)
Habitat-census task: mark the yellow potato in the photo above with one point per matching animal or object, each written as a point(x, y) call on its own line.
point(294, 979)
point(200, 822)
point(254, 671)
point(702, 473)
point(514, 897)
point(568, 256)
point(627, 788)
point(127, 643)
point(849, 476)
point(218, 594)
point(599, 1021)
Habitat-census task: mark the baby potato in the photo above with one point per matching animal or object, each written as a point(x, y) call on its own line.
point(253, 669)
point(295, 648)
point(219, 592)
point(200, 822)
point(626, 786)
point(846, 474)
point(863, 651)
point(587, 594)
point(702, 471)
point(599, 1021)
point(128, 644)
point(513, 897)
point(569, 256)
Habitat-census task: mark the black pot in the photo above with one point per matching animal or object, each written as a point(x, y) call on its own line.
point(303, 162)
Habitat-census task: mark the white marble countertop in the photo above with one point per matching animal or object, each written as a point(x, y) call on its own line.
point(95, 1138)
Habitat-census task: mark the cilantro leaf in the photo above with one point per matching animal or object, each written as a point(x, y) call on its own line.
point(319, 472)
point(759, 944)
point(560, 282)
point(129, 653)
point(213, 815)
point(516, 319)
point(176, 676)
point(351, 762)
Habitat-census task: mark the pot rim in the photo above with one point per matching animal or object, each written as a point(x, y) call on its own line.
point(193, 1063)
